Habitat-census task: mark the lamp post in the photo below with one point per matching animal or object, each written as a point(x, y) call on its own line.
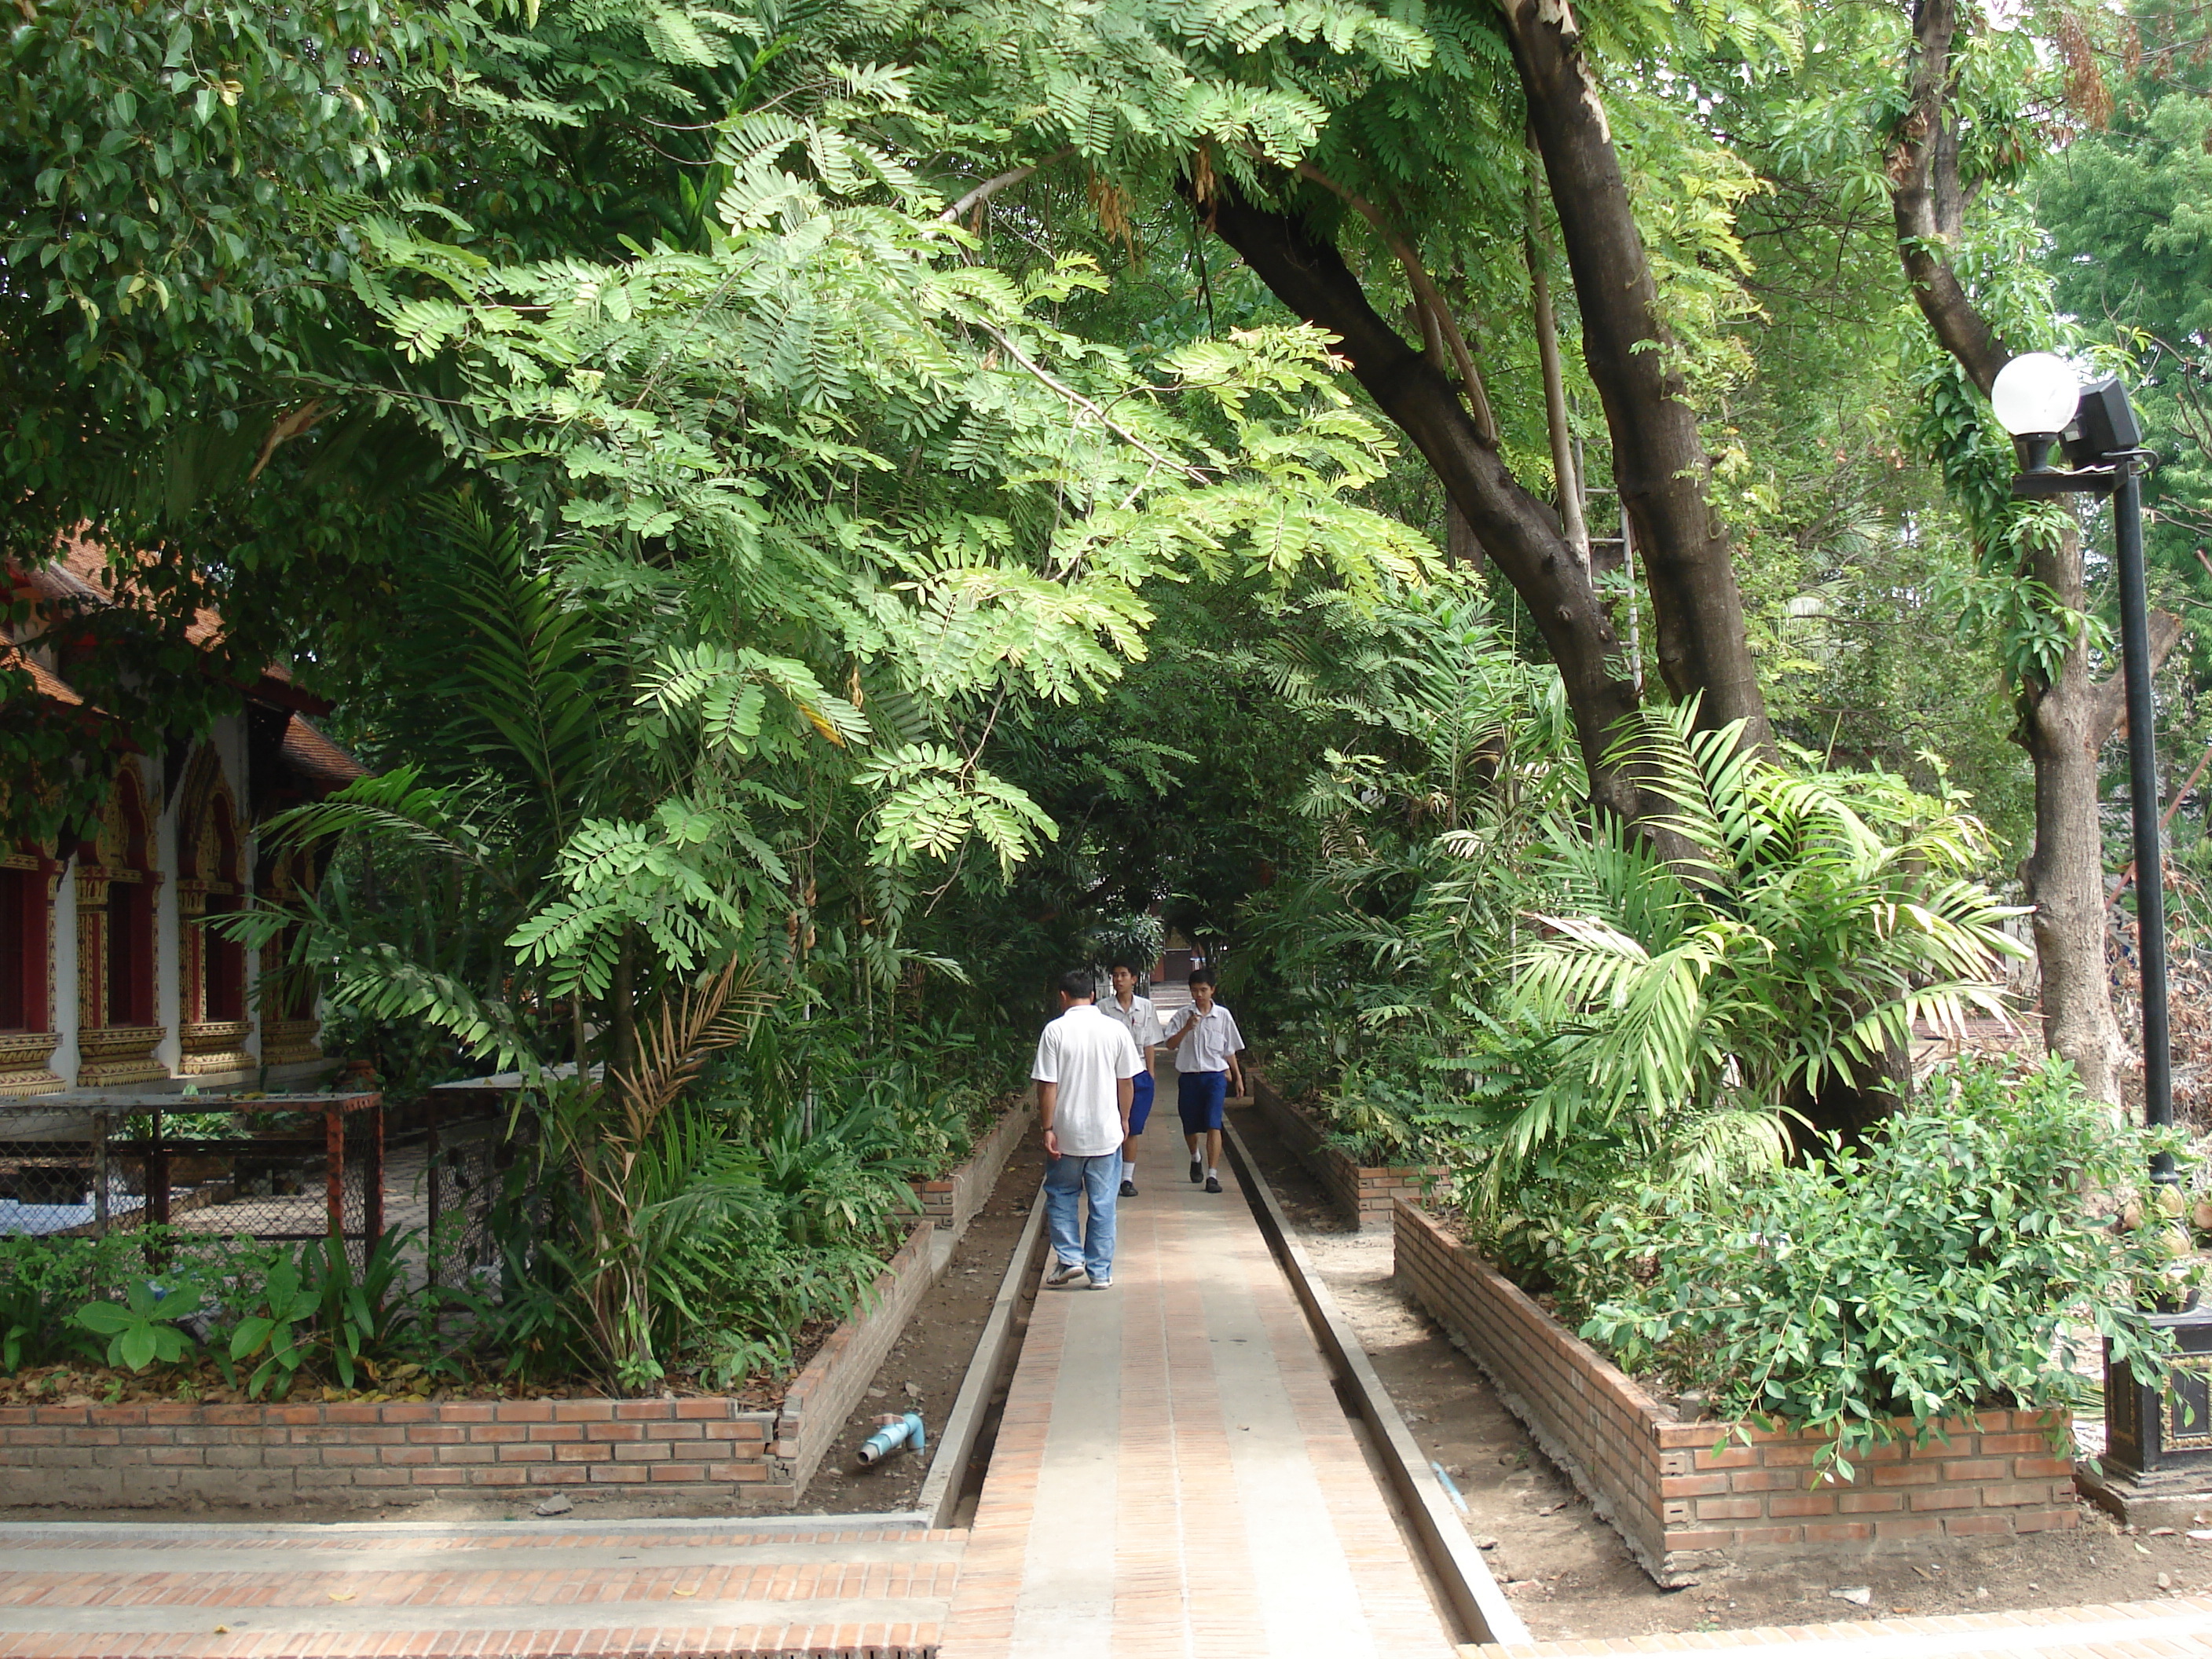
point(2158, 1432)
point(2039, 400)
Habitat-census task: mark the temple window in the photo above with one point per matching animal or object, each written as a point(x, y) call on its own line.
point(27, 1038)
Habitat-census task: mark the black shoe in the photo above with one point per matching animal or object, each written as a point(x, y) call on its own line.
point(1129, 1188)
point(1197, 1172)
point(1212, 1184)
point(1064, 1273)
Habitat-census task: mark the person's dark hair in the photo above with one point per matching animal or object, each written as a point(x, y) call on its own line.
point(1129, 967)
point(1201, 976)
point(1078, 982)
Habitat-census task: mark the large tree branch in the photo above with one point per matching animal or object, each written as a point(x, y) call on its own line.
point(2108, 698)
point(1424, 292)
point(1925, 199)
point(1659, 461)
point(1517, 530)
point(991, 187)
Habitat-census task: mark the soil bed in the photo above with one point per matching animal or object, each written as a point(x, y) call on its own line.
point(1568, 1572)
point(925, 1367)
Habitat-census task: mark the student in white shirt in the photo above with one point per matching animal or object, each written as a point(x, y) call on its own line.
point(1143, 1024)
point(1206, 1043)
point(1084, 1062)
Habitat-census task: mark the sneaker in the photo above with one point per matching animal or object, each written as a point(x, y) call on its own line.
point(1213, 1183)
point(1064, 1273)
point(1197, 1172)
point(1129, 1188)
point(1105, 1284)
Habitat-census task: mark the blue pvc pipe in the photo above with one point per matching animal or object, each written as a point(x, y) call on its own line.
point(906, 1432)
point(1450, 1489)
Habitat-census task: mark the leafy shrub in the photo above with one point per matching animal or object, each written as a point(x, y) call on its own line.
point(1962, 1258)
point(147, 1325)
point(1781, 949)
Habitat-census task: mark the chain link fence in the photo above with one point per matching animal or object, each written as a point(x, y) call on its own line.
point(272, 1167)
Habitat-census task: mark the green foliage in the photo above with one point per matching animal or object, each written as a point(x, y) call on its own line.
point(1965, 1257)
point(144, 1326)
point(312, 1308)
point(1804, 923)
point(40, 1290)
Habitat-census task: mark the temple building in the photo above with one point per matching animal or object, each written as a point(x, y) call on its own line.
point(112, 978)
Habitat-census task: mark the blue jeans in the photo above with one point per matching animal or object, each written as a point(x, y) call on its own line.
point(1100, 1178)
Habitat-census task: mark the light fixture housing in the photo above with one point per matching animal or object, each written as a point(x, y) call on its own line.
point(2035, 395)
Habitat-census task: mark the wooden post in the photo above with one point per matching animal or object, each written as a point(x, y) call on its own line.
point(334, 1168)
point(99, 1174)
point(372, 1181)
point(157, 1175)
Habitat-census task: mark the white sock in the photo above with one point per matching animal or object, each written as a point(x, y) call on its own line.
point(1213, 1175)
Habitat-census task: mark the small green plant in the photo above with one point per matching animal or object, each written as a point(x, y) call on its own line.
point(279, 1335)
point(313, 1308)
point(142, 1329)
point(41, 1287)
point(1972, 1252)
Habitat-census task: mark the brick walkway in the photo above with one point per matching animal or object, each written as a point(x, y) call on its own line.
point(92, 1592)
point(2177, 1628)
point(1174, 1474)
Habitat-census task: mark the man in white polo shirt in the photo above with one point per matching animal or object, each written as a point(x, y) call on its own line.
point(1084, 1062)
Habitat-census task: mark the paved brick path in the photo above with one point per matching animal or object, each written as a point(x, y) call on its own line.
point(86, 1592)
point(2177, 1628)
point(1174, 1474)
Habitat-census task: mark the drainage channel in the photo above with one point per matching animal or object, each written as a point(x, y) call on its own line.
point(1455, 1568)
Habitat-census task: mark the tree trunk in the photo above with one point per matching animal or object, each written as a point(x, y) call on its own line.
point(1462, 547)
point(2061, 724)
point(1659, 459)
point(1520, 532)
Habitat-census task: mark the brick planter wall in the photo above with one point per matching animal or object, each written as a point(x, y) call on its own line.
point(822, 1397)
point(951, 1202)
point(699, 1451)
point(1679, 1504)
point(1362, 1193)
point(260, 1454)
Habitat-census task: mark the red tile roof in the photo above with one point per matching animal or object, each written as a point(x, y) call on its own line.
point(316, 759)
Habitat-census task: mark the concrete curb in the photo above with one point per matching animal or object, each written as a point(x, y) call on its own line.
point(957, 1437)
point(1461, 1572)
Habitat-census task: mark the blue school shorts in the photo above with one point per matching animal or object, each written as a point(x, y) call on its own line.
point(1199, 1096)
point(1140, 1101)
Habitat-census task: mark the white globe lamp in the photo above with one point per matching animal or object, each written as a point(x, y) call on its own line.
point(2034, 396)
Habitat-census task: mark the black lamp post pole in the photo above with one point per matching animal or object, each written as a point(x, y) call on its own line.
point(2142, 788)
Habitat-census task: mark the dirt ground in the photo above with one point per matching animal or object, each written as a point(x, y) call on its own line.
point(925, 1369)
point(1569, 1574)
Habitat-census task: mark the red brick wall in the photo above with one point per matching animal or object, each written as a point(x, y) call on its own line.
point(952, 1200)
point(822, 1396)
point(1362, 1193)
point(262, 1454)
point(1673, 1497)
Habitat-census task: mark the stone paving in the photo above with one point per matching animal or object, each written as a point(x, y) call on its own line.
point(1174, 1474)
point(2180, 1627)
point(88, 1591)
